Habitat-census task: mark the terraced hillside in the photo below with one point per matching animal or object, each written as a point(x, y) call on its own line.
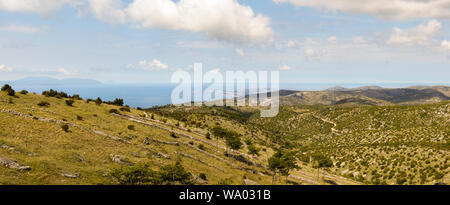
point(57, 140)
point(401, 144)
point(67, 140)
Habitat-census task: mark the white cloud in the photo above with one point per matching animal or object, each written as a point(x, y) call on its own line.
point(332, 39)
point(225, 20)
point(388, 9)
point(4, 68)
point(63, 71)
point(216, 70)
point(42, 7)
point(21, 28)
point(445, 45)
point(419, 36)
point(240, 51)
point(309, 52)
point(153, 65)
point(219, 19)
point(358, 39)
point(284, 67)
point(110, 11)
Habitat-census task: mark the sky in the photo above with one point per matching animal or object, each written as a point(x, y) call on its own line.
point(146, 41)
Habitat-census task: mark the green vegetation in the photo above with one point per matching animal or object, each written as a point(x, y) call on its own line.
point(142, 174)
point(307, 144)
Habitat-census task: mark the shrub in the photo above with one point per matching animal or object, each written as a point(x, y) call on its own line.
point(43, 104)
point(76, 97)
point(69, 102)
point(11, 92)
point(10, 101)
point(131, 127)
point(23, 92)
point(202, 176)
point(98, 101)
point(201, 146)
point(114, 111)
point(79, 117)
point(173, 135)
point(65, 127)
point(125, 109)
point(208, 136)
point(6, 87)
point(191, 143)
point(54, 93)
point(141, 174)
point(118, 102)
point(89, 100)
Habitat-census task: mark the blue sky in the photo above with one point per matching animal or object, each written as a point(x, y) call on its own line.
point(145, 41)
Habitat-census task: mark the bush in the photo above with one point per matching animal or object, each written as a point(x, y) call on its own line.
point(117, 101)
point(173, 135)
point(79, 118)
point(43, 104)
point(6, 87)
point(89, 100)
point(54, 93)
point(125, 109)
point(141, 174)
point(69, 102)
point(11, 92)
point(10, 101)
point(98, 101)
point(76, 97)
point(201, 146)
point(114, 111)
point(131, 127)
point(23, 92)
point(65, 127)
point(202, 176)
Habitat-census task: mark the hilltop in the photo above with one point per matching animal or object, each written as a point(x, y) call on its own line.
point(367, 95)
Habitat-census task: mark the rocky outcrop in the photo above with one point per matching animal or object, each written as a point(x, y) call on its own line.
point(120, 160)
point(13, 165)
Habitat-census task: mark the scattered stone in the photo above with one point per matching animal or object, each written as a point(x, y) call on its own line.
point(70, 175)
point(120, 160)
point(250, 182)
point(136, 154)
point(13, 165)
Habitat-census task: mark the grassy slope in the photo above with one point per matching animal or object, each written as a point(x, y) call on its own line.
point(385, 142)
point(84, 152)
point(370, 144)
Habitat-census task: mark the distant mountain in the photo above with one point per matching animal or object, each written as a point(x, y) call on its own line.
point(368, 95)
point(47, 81)
point(336, 88)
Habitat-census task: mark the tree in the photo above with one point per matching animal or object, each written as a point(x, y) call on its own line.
point(98, 101)
point(321, 161)
point(219, 132)
point(234, 142)
point(11, 92)
point(69, 102)
point(253, 150)
point(175, 173)
point(282, 162)
point(118, 102)
point(6, 87)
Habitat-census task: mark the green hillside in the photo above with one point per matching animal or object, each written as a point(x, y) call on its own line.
point(62, 140)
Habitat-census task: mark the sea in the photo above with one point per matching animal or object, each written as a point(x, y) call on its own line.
point(149, 95)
